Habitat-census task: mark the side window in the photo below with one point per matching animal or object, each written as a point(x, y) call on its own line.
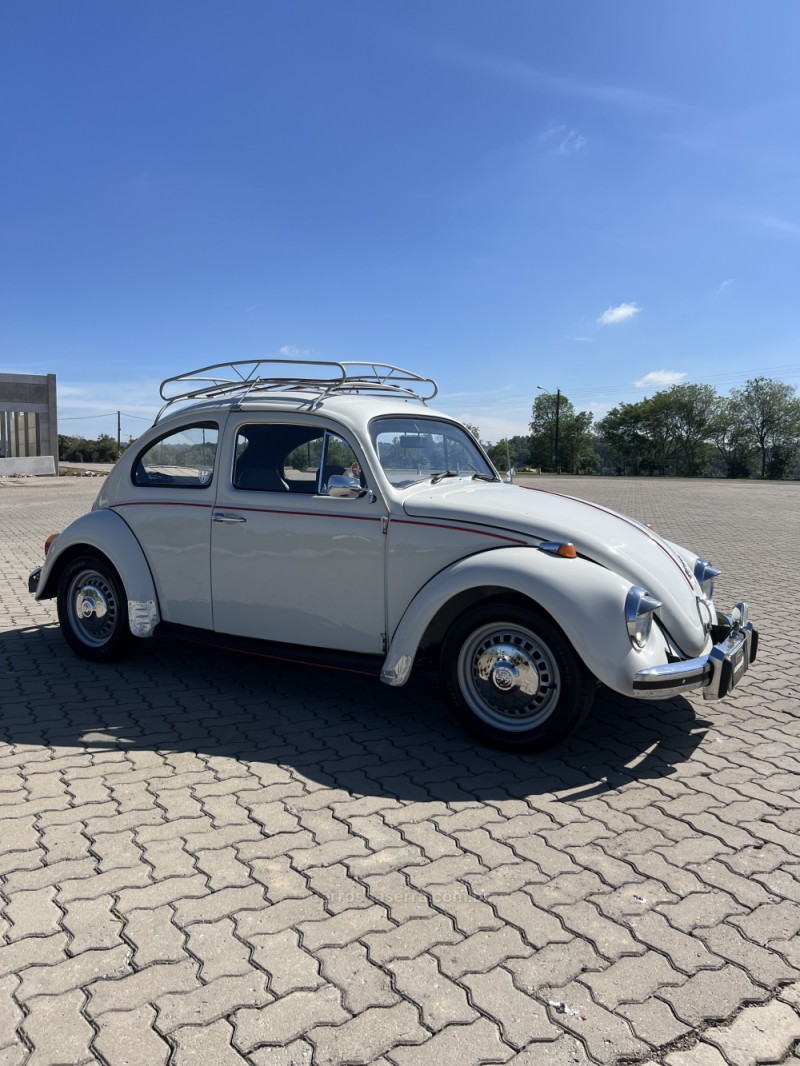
point(183, 459)
point(290, 458)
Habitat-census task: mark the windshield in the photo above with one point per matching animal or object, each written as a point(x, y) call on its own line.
point(412, 450)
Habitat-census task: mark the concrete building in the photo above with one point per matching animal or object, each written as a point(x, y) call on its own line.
point(28, 424)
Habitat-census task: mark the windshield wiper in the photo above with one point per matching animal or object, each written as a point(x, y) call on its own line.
point(442, 474)
point(484, 477)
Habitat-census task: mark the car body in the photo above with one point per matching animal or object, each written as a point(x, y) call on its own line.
point(333, 517)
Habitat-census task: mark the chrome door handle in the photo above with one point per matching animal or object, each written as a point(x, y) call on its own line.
point(219, 517)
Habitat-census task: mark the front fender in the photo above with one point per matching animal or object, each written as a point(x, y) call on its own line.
point(105, 532)
point(585, 600)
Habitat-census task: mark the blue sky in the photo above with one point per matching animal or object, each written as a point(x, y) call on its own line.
point(598, 197)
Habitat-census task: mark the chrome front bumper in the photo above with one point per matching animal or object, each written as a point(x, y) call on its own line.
point(716, 673)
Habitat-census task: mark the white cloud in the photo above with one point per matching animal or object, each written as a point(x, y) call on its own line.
point(561, 140)
point(621, 313)
point(723, 285)
point(291, 351)
point(660, 378)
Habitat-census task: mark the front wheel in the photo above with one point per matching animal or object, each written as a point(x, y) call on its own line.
point(92, 609)
point(513, 678)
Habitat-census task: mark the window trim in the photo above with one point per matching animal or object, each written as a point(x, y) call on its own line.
point(137, 462)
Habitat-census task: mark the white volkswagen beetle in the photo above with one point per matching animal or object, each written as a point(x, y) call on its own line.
point(329, 515)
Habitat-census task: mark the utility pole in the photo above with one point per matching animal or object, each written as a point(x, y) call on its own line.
point(556, 463)
point(119, 439)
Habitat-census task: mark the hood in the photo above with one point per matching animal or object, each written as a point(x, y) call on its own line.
point(613, 540)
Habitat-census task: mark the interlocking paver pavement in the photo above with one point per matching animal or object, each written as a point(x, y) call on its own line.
point(208, 859)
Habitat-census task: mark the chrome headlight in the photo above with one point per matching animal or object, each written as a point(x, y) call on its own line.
point(705, 574)
point(639, 608)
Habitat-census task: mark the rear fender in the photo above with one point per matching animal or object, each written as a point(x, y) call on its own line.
point(105, 533)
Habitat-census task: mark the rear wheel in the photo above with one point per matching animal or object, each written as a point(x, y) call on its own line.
point(513, 678)
point(92, 609)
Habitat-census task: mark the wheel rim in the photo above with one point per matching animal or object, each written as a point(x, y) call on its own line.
point(93, 608)
point(508, 677)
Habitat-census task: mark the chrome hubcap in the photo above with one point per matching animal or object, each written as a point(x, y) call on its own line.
point(508, 676)
point(93, 608)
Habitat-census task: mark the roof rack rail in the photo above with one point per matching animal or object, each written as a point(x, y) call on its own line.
point(244, 378)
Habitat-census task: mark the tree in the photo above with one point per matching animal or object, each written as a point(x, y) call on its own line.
point(771, 411)
point(690, 412)
point(561, 437)
point(476, 433)
point(732, 439)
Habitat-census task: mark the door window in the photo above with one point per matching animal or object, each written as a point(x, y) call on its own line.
point(184, 458)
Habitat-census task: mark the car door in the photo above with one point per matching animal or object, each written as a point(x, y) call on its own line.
point(297, 541)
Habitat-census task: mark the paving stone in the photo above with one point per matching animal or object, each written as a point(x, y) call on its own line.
point(344, 927)
point(441, 1001)
point(10, 1013)
point(15, 1055)
point(339, 890)
point(469, 914)
point(92, 924)
point(216, 905)
point(654, 1022)
point(128, 1038)
point(167, 891)
point(385, 861)
point(538, 926)
point(286, 914)
point(216, 946)
point(686, 953)
point(363, 984)
point(57, 1030)
point(70, 973)
point(207, 1003)
point(33, 913)
point(288, 1018)
point(297, 1053)
point(610, 938)
point(279, 878)
point(446, 1048)
point(606, 1035)
point(701, 910)
point(480, 952)
point(206, 1045)
point(712, 995)
point(361, 1040)
point(632, 979)
point(764, 966)
point(289, 966)
point(142, 987)
point(521, 1018)
point(504, 880)
point(400, 899)
point(566, 1051)
point(555, 964)
point(700, 1055)
point(411, 939)
point(771, 921)
point(759, 1034)
point(155, 936)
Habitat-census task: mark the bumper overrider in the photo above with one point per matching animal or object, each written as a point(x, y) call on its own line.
point(735, 647)
point(33, 579)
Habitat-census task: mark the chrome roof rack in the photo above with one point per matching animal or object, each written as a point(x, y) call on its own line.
point(253, 377)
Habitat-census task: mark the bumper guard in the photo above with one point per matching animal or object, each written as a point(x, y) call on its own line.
point(716, 673)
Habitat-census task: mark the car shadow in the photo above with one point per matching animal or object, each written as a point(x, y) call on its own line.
point(334, 729)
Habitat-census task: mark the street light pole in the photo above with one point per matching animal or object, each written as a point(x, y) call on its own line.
point(556, 466)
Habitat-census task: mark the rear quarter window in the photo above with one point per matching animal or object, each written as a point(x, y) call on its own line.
point(184, 458)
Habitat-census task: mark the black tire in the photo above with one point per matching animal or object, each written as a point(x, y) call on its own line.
point(513, 678)
point(93, 609)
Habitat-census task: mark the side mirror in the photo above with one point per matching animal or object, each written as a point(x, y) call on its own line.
point(510, 475)
point(344, 486)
